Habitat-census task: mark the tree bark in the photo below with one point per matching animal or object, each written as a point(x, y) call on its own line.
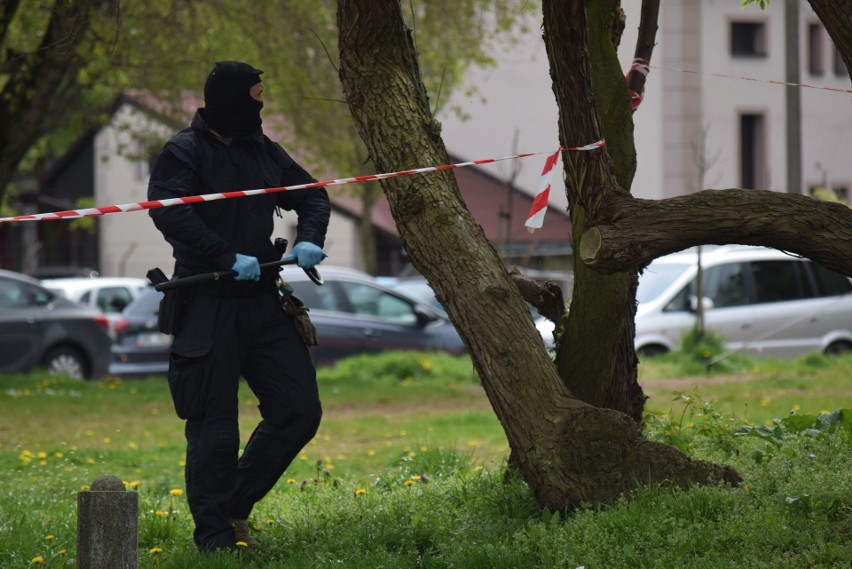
point(568, 451)
point(633, 232)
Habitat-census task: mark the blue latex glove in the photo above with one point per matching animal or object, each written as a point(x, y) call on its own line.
point(307, 254)
point(247, 268)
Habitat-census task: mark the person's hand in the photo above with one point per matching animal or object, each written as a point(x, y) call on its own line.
point(307, 254)
point(247, 268)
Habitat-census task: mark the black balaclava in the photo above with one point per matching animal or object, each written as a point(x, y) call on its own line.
point(229, 109)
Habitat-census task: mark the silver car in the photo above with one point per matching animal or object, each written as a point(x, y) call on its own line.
point(762, 301)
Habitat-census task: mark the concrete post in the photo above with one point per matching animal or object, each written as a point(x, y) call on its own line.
point(107, 526)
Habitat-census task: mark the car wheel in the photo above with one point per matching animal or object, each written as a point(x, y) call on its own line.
point(839, 347)
point(66, 361)
point(651, 350)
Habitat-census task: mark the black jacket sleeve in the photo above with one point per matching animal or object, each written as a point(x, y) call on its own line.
point(174, 176)
point(311, 205)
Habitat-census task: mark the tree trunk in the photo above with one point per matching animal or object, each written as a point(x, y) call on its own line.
point(568, 451)
point(370, 193)
point(34, 79)
point(598, 362)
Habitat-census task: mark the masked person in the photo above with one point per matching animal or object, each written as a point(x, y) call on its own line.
point(233, 328)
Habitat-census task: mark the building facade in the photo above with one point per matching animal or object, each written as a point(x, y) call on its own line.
point(713, 113)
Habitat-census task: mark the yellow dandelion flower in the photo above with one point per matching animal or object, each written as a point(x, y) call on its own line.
point(38, 560)
point(824, 412)
point(133, 445)
point(360, 491)
point(416, 478)
point(107, 440)
point(291, 481)
point(72, 448)
point(155, 550)
point(477, 468)
point(41, 454)
point(241, 544)
point(161, 514)
point(59, 454)
point(409, 482)
point(133, 484)
point(84, 487)
point(473, 443)
point(765, 401)
point(90, 461)
point(49, 537)
point(42, 463)
point(176, 492)
point(303, 456)
point(795, 409)
point(270, 522)
point(371, 452)
point(62, 552)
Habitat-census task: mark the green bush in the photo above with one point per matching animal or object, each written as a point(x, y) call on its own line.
point(402, 366)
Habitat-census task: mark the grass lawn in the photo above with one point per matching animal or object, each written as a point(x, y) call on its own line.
point(406, 471)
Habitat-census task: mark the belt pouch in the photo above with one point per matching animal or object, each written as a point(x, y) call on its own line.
point(169, 313)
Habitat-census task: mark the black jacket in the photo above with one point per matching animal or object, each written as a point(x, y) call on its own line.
point(206, 236)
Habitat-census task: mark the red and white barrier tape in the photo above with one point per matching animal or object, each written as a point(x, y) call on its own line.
point(643, 66)
point(772, 81)
point(103, 210)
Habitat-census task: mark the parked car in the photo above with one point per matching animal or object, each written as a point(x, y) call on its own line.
point(761, 301)
point(39, 327)
point(352, 312)
point(109, 294)
point(139, 348)
point(419, 289)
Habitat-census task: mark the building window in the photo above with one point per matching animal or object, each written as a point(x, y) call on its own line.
point(752, 151)
point(839, 66)
point(815, 50)
point(748, 39)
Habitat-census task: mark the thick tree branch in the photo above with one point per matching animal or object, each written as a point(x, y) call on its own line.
point(638, 231)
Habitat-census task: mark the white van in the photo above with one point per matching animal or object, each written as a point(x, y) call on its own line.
point(762, 301)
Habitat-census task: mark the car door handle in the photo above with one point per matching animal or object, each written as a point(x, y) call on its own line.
point(372, 333)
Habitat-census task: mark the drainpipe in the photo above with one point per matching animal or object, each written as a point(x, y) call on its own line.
point(793, 98)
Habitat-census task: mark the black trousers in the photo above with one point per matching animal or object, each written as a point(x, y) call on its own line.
point(221, 339)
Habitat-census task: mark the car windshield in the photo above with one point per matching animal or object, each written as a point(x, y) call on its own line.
point(656, 278)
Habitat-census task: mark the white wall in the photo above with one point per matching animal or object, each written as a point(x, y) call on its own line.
point(129, 242)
